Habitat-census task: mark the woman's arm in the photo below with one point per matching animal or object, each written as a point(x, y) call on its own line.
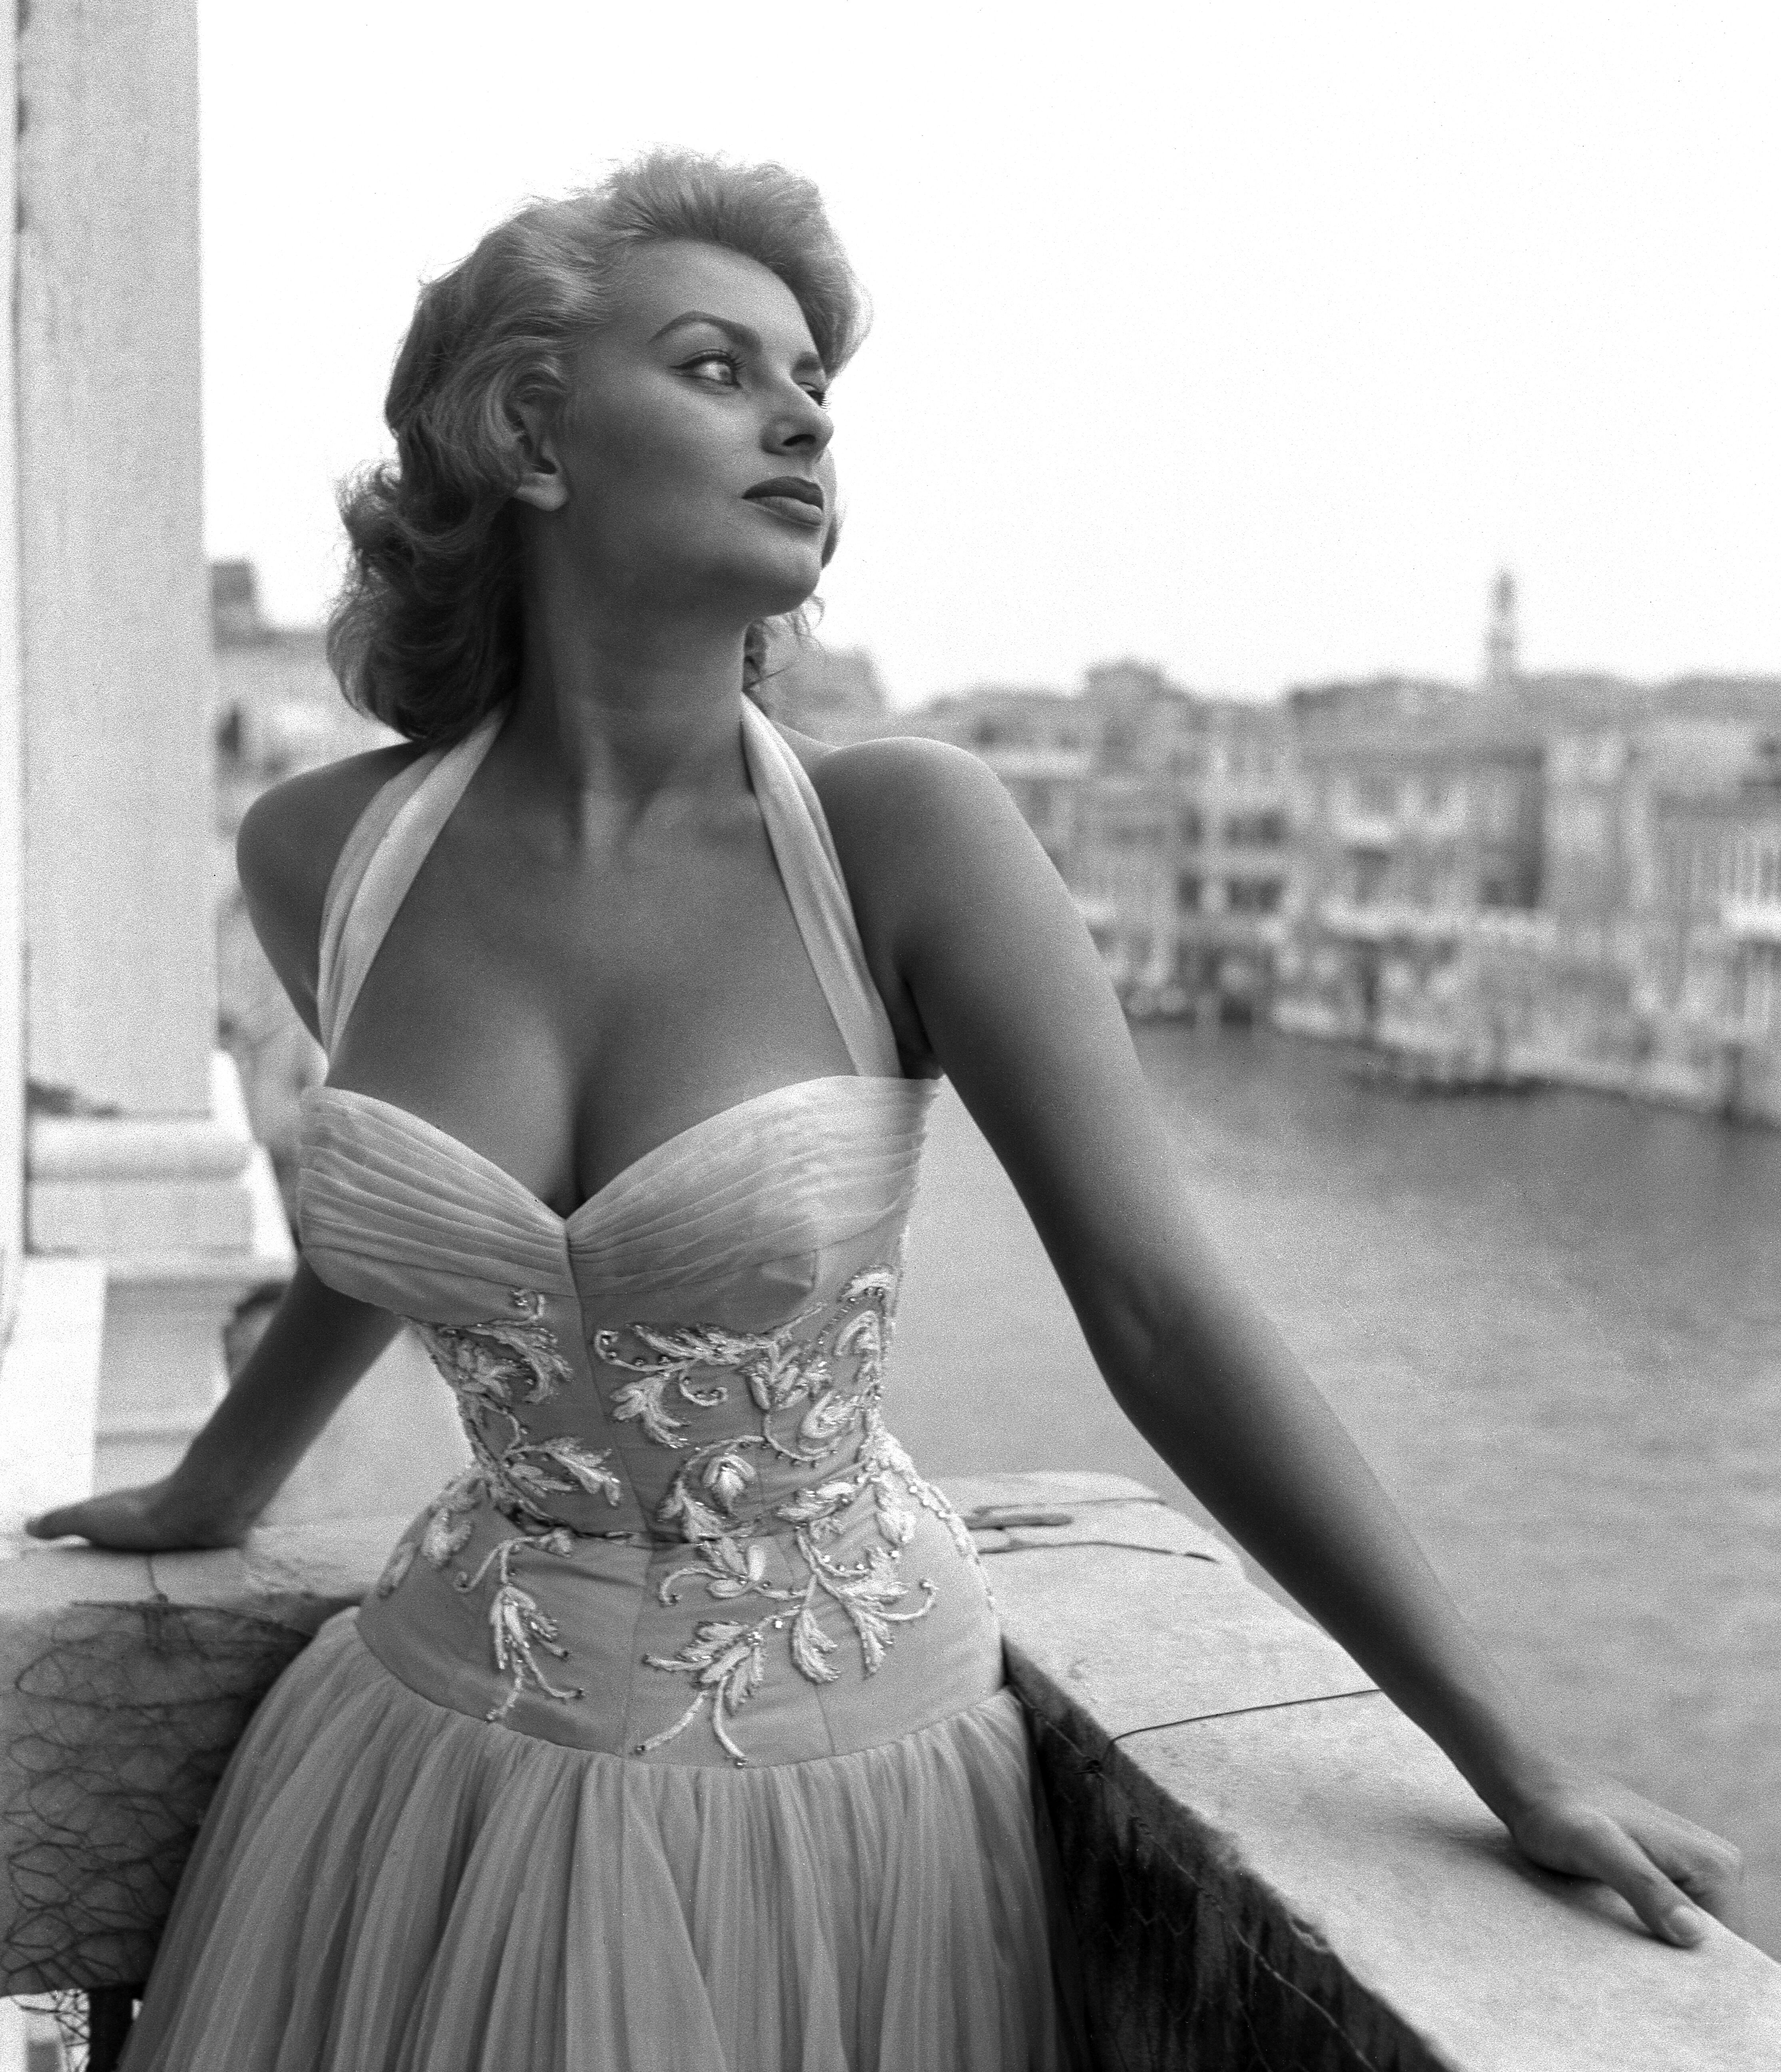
point(981, 941)
point(315, 1348)
point(318, 1343)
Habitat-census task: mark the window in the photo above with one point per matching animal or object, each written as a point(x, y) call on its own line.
point(1255, 830)
point(1190, 890)
point(1369, 868)
point(1253, 895)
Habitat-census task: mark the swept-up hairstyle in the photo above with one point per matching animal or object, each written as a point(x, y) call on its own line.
point(426, 635)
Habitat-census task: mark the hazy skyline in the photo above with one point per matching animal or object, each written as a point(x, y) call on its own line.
point(1251, 342)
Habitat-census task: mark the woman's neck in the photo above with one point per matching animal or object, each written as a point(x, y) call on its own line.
point(613, 709)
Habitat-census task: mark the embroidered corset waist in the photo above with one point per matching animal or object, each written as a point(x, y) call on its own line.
point(685, 1533)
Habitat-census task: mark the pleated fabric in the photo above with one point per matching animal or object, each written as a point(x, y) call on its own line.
point(384, 1883)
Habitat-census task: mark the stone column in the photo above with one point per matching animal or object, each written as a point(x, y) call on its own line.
point(12, 776)
point(137, 1152)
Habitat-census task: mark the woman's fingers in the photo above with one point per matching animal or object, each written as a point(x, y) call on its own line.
point(1664, 1908)
point(1709, 1869)
point(56, 1524)
point(1670, 1872)
point(126, 1520)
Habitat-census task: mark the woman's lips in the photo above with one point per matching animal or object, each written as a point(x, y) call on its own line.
point(791, 508)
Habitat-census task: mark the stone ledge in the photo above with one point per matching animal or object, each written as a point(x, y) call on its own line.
point(49, 1387)
point(1269, 1866)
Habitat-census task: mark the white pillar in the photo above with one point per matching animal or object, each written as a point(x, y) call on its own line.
point(137, 1151)
point(118, 670)
point(12, 775)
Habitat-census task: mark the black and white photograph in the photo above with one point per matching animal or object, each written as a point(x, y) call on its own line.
point(890, 1038)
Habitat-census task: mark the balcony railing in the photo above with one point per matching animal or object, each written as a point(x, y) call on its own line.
point(1265, 1865)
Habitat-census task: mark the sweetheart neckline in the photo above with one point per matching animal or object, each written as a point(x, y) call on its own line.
point(564, 1223)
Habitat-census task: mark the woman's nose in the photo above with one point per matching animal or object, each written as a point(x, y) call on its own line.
point(801, 425)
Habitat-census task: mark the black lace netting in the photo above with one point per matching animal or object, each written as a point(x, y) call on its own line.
point(127, 1715)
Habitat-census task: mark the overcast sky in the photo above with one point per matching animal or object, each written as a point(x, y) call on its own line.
point(1248, 340)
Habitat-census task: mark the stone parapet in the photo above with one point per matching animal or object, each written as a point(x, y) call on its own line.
point(1270, 1866)
point(1266, 1864)
point(182, 1215)
point(49, 1387)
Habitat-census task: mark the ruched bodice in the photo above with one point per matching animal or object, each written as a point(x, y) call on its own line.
point(686, 1533)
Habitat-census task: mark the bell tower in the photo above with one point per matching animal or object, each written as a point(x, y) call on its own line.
point(1502, 641)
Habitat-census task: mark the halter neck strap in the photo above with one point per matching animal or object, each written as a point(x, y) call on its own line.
point(811, 872)
point(391, 839)
point(378, 864)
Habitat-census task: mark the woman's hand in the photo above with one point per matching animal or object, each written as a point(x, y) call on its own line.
point(314, 1348)
point(1670, 1872)
point(156, 1519)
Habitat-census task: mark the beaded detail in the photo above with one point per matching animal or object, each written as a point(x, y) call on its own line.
point(779, 1561)
point(805, 1420)
point(489, 1368)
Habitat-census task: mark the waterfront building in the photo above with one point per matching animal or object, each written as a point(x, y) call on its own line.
point(834, 693)
point(1167, 816)
point(1417, 812)
point(1561, 876)
point(1042, 745)
point(1710, 976)
point(278, 707)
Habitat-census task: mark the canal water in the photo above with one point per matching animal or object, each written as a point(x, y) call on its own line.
point(1551, 1320)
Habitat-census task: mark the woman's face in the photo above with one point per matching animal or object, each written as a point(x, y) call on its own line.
point(690, 468)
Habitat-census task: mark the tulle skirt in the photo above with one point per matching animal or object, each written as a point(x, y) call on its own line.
point(386, 1886)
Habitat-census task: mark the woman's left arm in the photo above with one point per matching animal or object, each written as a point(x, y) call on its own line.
point(974, 933)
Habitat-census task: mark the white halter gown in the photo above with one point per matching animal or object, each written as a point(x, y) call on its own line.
point(674, 1738)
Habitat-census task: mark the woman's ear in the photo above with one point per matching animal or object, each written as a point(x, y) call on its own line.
point(543, 484)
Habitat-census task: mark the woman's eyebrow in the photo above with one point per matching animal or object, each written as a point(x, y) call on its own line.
point(742, 333)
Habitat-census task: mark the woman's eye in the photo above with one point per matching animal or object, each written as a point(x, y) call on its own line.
point(707, 362)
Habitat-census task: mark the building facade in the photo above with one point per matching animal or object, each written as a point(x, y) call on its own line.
point(1166, 814)
point(1417, 813)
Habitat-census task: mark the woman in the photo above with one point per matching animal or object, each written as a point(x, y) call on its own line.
point(674, 1735)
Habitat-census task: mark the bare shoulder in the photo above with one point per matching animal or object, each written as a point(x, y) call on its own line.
point(904, 797)
point(289, 841)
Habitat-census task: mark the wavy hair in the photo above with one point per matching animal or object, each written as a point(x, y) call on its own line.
point(426, 634)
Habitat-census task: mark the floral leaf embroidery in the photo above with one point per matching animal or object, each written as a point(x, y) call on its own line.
point(808, 1419)
point(727, 1476)
point(400, 1561)
point(811, 1648)
point(528, 1468)
point(727, 1661)
point(489, 1359)
point(587, 1465)
point(641, 1401)
point(518, 1625)
point(827, 1419)
point(451, 1519)
point(490, 1366)
point(696, 1521)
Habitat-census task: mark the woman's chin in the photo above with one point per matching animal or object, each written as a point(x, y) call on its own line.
point(771, 592)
